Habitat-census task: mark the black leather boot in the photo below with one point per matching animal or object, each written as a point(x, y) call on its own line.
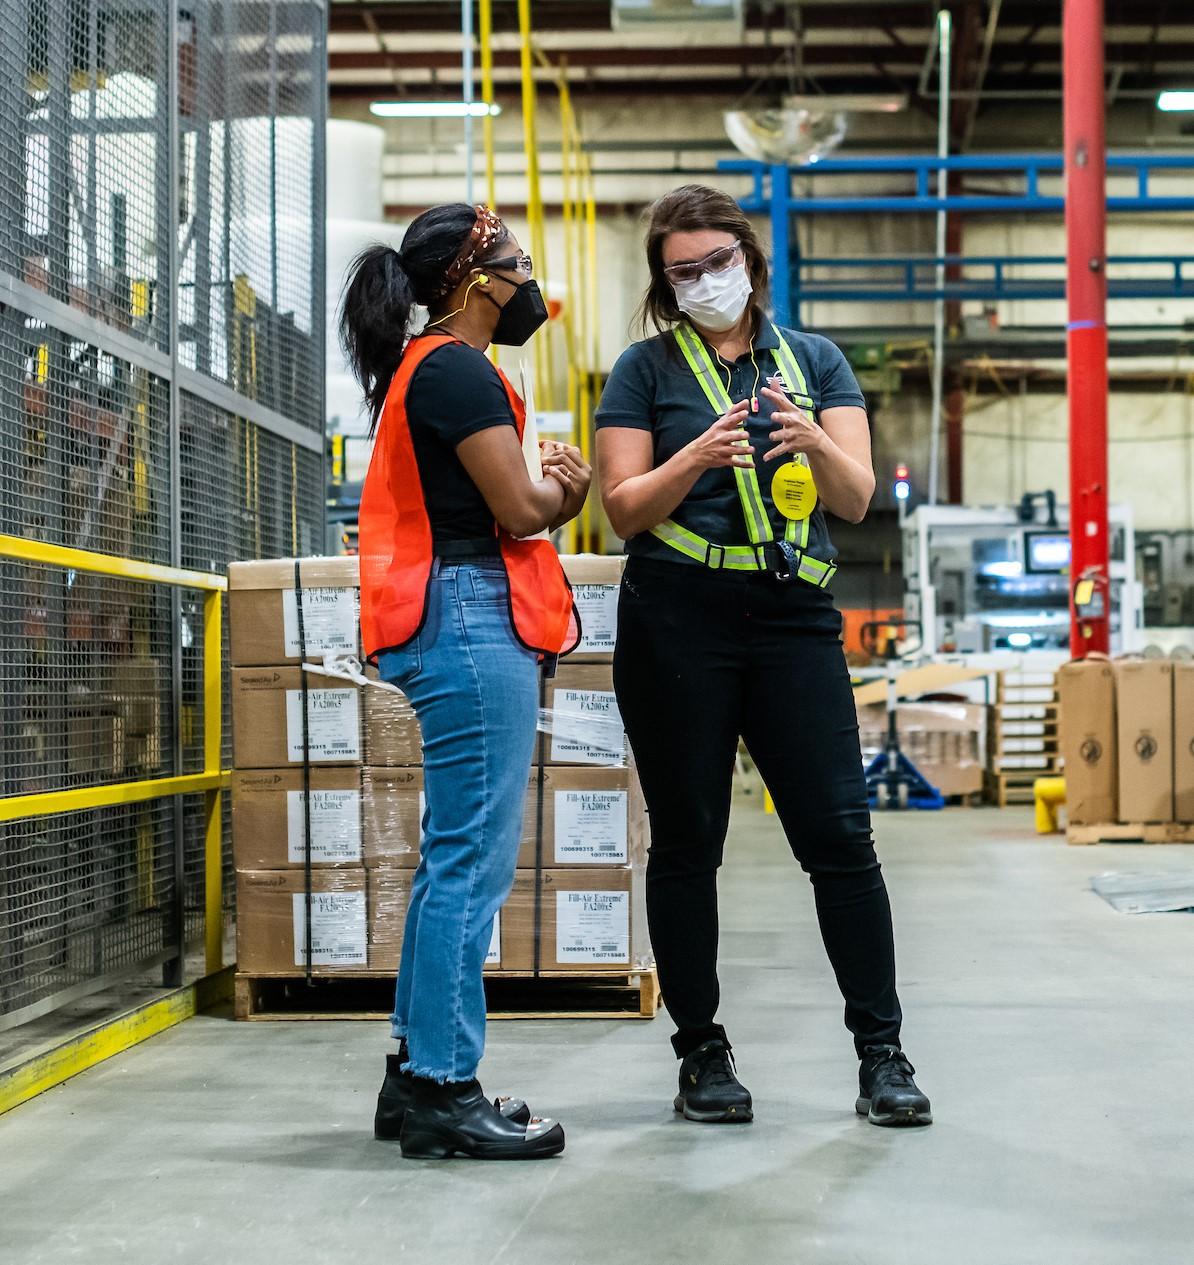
point(457, 1119)
point(887, 1094)
point(395, 1096)
point(710, 1091)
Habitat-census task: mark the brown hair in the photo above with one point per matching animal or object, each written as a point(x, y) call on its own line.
point(694, 208)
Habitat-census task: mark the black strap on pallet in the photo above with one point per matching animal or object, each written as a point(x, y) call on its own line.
point(546, 673)
point(302, 632)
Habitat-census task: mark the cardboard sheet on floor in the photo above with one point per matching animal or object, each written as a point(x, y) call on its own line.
point(1159, 892)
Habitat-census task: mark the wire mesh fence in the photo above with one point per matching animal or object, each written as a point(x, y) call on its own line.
point(161, 400)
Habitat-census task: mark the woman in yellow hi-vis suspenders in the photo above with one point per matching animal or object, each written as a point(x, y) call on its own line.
point(721, 443)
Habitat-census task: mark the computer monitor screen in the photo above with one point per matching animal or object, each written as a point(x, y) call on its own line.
point(1047, 553)
point(997, 557)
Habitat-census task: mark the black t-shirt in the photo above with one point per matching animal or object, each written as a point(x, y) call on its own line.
point(453, 394)
point(652, 388)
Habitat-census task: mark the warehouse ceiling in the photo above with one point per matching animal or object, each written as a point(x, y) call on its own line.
point(1005, 50)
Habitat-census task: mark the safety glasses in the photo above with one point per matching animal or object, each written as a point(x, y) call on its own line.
point(512, 263)
point(717, 261)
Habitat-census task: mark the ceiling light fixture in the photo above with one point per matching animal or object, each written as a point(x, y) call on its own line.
point(433, 109)
point(1176, 100)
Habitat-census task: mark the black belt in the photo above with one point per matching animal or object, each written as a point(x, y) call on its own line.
point(451, 552)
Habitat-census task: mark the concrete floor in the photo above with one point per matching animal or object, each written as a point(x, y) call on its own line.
point(1053, 1034)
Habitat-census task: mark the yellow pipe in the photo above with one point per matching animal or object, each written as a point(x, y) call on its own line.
point(45, 803)
point(213, 881)
point(544, 369)
point(485, 14)
point(593, 366)
point(573, 308)
point(103, 564)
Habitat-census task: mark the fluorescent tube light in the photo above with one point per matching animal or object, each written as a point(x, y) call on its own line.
point(1176, 100)
point(432, 109)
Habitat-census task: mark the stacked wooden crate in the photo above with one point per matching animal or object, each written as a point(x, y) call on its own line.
point(1024, 738)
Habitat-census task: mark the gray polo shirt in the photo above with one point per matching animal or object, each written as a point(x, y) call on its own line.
point(652, 388)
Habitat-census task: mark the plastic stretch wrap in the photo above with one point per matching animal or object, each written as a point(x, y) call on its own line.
point(588, 817)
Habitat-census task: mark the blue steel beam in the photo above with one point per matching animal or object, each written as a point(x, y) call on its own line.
point(923, 167)
point(771, 195)
point(906, 284)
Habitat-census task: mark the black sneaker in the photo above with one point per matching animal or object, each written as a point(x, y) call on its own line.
point(397, 1090)
point(709, 1090)
point(887, 1094)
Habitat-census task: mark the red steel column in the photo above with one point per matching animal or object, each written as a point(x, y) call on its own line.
point(1086, 292)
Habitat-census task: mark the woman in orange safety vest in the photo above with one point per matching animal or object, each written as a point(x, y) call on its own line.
point(462, 596)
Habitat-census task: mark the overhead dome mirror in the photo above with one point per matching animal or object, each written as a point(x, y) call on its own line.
point(787, 134)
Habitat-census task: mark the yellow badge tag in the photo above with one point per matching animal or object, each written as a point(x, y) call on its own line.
point(793, 490)
point(1084, 593)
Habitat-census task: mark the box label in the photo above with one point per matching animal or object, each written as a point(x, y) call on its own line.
point(338, 929)
point(592, 926)
point(597, 605)
point(330, 621)
point(333, 723)
point(591, 827)
point(494, 956)
point(335, 826)
point(586, 728)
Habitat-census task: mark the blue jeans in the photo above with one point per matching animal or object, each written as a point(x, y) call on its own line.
point(474, 689)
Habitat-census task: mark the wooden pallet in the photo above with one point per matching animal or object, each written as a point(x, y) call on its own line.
point(1013, 786)
point(509, 994)
point(1160, 832)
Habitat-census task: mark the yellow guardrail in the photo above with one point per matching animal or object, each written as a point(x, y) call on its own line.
point(211, 782)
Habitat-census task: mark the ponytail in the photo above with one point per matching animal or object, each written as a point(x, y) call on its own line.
point(374, 318)
point(383, 287)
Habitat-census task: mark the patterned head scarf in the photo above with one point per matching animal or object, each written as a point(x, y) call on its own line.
point(487, 231)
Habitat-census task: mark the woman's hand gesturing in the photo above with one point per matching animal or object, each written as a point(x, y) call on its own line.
point(725, 443)
point(796, 431)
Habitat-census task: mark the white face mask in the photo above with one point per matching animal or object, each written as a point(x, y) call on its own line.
point(715, 300)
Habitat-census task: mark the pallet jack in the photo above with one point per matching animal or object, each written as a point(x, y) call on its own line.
point(892, 780)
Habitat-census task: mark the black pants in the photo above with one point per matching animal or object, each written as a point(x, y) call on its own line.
point(706, 656)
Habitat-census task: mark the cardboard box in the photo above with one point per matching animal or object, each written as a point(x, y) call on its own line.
point(391, 816)
point(596, 581)
point(943, 740)
point(591, 816)
point(1088, 741)
point(389, 899)
point(586, 726)
point(271, 920)
point(269, 822)
point(591, 920)
point(389, 896)
point(133, 689)
point(1144, 706)
point(267, 719)
point(1183, 740)
point(392, 735)
point(263, 613)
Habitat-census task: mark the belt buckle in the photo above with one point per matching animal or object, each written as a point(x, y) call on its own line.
point(791, 561)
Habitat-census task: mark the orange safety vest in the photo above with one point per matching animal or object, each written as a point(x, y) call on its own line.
point(396, 550)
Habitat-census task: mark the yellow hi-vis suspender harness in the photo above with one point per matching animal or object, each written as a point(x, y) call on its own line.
point(785, 558)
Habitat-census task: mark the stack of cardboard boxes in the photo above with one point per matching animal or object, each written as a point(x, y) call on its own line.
point(1127, 730)
point(577, 901)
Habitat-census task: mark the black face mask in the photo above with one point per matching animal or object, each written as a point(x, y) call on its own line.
point(521, 315)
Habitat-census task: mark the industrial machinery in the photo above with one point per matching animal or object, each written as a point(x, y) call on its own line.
point(981, 580)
